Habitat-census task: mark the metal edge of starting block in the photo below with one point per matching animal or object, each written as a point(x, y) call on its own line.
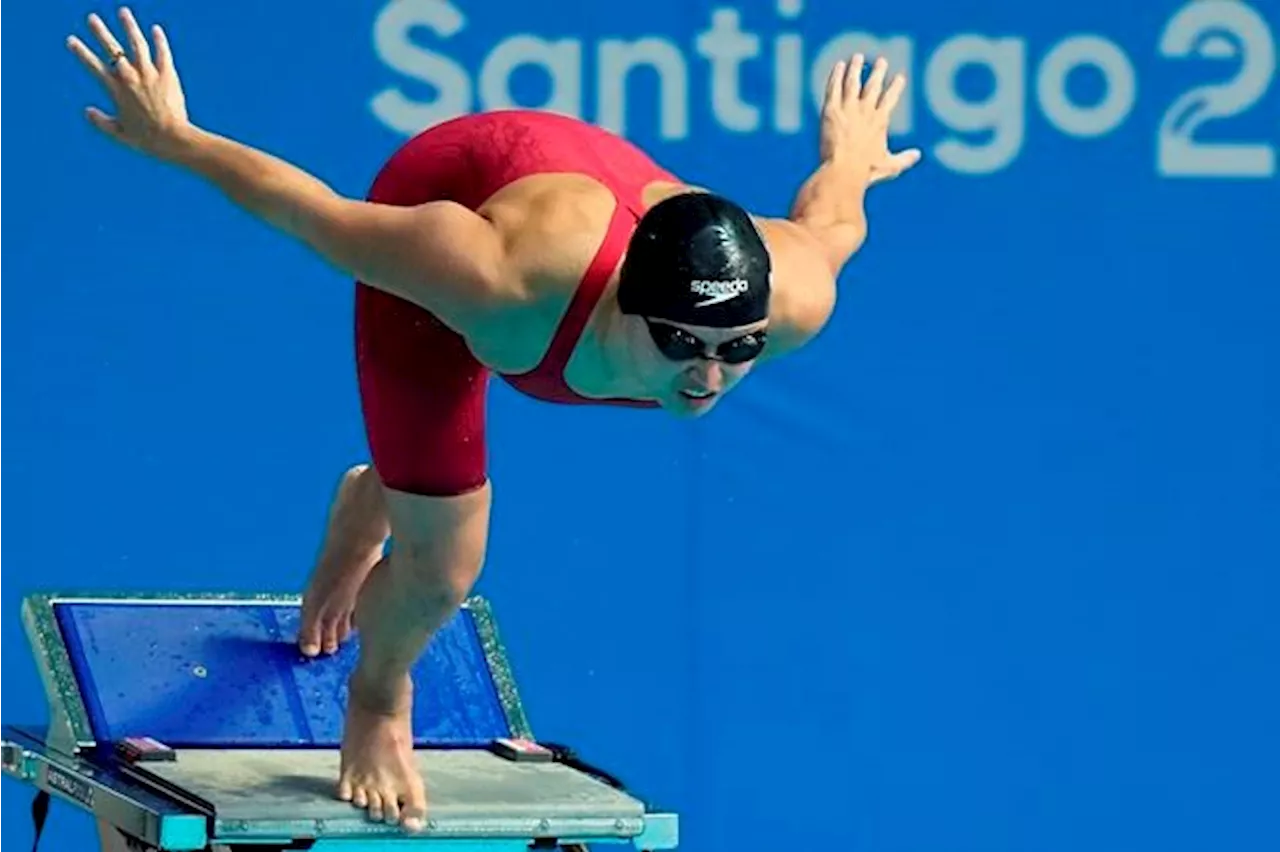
point(495, 654)
point(69, 727)
point(660, 831)
point(401, 844)
point(155, 820)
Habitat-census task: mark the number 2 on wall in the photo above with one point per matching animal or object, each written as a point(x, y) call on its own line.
point(1216, 29)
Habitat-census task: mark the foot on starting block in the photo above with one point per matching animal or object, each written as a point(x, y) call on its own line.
point(193, 722)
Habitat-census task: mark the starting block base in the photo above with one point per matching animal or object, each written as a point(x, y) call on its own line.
point(264, 777)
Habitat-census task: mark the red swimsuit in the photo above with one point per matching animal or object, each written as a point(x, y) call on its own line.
point(422, 391)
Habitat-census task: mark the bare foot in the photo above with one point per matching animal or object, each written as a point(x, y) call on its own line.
point(353, 545)
point(379, 772)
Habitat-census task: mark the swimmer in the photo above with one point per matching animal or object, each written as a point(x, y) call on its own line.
point(522, 245)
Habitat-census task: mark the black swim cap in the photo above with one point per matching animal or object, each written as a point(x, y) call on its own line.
point(696, 259)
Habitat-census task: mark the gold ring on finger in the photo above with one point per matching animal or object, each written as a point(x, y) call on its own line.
point(117, 57)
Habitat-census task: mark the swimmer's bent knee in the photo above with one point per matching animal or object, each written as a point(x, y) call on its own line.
point(429, 582)
point(438, 545)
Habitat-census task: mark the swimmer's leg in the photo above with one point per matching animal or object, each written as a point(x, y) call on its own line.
point(437, 553)
point(354, 542)
point(112, 840)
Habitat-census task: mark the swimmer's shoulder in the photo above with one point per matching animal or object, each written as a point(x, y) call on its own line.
point(552, 226)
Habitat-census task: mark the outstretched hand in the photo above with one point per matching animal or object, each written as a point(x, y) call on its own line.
point(855, 119)
point(150, 110)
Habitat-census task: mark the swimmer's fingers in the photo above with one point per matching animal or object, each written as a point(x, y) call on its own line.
point(103, 34)
point(835, 87)
point(853, 80)
point(116, 54)
point(874, 88)
point(103, 122)
point(98, 69)
point(897, 164)
point(137, 41)
point(90, 60)
point(892, 95)
point(164, 55)
point(904, 160)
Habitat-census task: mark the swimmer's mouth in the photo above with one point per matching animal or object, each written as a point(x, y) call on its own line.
point(698, 394)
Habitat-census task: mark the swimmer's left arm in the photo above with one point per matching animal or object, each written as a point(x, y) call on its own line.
point(829, 207)
point(854, 155)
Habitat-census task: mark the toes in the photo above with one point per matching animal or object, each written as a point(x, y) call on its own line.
point(414, 812)
point(384, 805)
point(329, 633)
point(309, 633)
point(390, 807)
point(375, 806)
point(324, 632)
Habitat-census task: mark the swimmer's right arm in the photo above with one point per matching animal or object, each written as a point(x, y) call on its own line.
point(440, 255)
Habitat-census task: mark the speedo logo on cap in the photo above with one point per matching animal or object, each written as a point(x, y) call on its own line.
point(717, 292)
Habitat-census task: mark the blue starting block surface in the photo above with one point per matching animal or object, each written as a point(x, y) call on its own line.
point(228, 674)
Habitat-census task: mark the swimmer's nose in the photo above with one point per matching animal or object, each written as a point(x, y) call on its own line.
point(707, 375)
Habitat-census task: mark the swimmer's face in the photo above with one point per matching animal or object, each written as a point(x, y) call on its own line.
point(690, 367)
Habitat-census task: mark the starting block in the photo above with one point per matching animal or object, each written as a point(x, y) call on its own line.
point(192, 722)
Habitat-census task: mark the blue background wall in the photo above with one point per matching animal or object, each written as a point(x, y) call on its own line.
point(991, 566)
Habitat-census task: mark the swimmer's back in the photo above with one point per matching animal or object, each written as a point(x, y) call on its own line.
point(468, 159)
point(422, 384)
